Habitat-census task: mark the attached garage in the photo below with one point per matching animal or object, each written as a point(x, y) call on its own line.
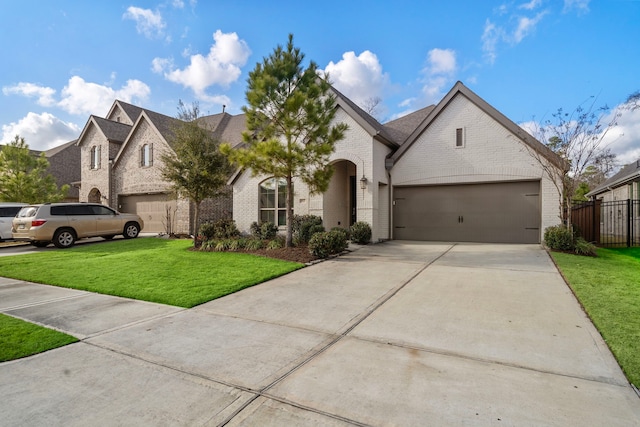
point(505, 212)
point(152, 208)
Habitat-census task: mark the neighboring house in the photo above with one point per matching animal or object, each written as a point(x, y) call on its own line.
point(622, 186)
point(456, 171)
point(121, 167)
point(64, 166)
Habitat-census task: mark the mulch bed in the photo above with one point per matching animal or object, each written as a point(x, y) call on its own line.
point(298, 254)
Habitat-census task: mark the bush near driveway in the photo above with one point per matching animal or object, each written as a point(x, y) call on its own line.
point(150, 269)
point(608, 287)
point(21, 339)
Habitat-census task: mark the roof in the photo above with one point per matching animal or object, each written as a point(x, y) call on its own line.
point(627, 174)
point(130, 110)
point(55, 150)
point(401, 128)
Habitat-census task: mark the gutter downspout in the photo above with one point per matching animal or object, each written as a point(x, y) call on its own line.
point(388, 164)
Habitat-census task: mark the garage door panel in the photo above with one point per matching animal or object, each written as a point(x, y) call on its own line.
point(152, 208)
point(500, 213)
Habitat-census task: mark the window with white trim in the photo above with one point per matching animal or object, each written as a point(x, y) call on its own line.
point(146, 155)
point(273, 201)
point(95, 157)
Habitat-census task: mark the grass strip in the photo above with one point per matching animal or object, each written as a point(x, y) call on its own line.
point(609, 289)
point(149, 269)
point(21, 339)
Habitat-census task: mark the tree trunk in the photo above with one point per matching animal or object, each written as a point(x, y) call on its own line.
point(289, 206)
point(196, 217)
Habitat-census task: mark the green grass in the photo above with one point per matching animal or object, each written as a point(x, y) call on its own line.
point(609, 289)
point(21, 339)
point(149, 269)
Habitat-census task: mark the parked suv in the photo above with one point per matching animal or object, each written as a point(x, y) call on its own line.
point(7, 212)
point(64, 223)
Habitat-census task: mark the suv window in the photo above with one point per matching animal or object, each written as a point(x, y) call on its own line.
point(9, 211)
point(102, 210)
point(58, 210)
point(27, 212)
point(79, 210)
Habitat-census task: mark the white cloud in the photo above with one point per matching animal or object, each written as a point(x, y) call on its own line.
point(526, 26)
point(582, 6)
point(80, 97)
point(220, 67)
point(490, 38)
point(439, 72)
point(360, 77)
point(43, 94)
point(531, 5)
point(624, 138)
point(41, 131)
point(148, 22)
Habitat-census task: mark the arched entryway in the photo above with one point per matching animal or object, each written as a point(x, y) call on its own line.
point(340, 201)
point(95, 196)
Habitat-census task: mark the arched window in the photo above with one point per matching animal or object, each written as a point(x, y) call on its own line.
point(95, 157)
point(146, 155)
point(273, 200)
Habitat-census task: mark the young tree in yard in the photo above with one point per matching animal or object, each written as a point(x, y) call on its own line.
point(290, 130)
point(195, 167)
point(579, 139)
point(24, 176)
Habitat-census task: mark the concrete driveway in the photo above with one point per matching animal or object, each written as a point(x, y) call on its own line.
point(400, 333)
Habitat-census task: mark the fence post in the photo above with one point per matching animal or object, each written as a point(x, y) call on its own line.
point(629, 230)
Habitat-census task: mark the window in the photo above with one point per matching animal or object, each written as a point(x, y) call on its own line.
point(459, 137)
point(95, 157)
point(146, 155)
point(273, 199)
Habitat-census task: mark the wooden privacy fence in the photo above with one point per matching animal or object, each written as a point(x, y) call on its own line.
point(615, 223)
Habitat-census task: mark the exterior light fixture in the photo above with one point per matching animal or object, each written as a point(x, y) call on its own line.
point(363, 182)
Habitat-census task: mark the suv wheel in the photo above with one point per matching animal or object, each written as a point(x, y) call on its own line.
point(64, 238)
point(131, 230)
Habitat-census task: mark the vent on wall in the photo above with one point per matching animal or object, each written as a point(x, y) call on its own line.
point(459, 137)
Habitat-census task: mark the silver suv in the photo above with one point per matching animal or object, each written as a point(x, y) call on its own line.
point(64, 223)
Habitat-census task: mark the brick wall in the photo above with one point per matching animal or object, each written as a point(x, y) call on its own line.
point(94, 178)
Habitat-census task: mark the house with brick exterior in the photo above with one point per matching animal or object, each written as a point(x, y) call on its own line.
point(456, 171)
point(120, 157)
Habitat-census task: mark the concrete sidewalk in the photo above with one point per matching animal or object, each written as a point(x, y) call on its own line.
point(401, 333)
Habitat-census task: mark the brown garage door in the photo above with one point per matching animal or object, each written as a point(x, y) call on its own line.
point(152, 208)
point(491, 213)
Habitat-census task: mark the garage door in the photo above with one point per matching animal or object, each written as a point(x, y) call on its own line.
point(491, 213)
point(152, 208)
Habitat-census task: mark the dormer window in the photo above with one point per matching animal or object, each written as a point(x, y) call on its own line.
point(95, 157)
point(146, 155)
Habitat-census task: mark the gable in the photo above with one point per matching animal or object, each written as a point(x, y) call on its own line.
point(143, 132)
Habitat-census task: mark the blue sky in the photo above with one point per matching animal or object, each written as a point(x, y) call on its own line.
point(67, 59)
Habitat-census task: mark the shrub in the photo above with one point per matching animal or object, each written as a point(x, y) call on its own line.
point(327, 243)
point(582, 247)
point(361, 233)
point(264, 231)
point(305, 226)
point(347, 235)
point(276, 243)
point(559, 238)
point(253, 244)
point(207, 231)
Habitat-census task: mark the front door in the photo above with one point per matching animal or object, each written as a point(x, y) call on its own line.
point(353, 200)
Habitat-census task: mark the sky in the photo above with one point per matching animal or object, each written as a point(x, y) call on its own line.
point(67, 59)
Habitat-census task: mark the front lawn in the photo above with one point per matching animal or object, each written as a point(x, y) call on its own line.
point(21, 339)
point(149, 269)
point(609, 289)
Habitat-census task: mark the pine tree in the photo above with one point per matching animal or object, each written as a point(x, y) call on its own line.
point(290, 130)
point(24, 176)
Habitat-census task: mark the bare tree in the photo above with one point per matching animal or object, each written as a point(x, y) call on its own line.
point(633, 101)
point(371, 104)
point(578, 137)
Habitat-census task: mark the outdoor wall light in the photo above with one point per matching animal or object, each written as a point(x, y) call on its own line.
point(363, 182)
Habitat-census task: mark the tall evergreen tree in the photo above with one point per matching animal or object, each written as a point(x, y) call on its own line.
point(24, 177)
point(290, 130)
point(196, 168)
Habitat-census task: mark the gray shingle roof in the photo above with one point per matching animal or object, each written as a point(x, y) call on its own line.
point(627, 174)
point(114, 131)
point(130, 110)
point(401, 128)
